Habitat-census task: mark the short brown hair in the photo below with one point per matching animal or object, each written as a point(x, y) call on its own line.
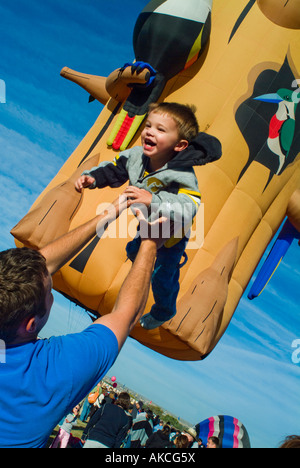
point(22, 289)
point(184, 116)
point(124, 400)
point(182, 441)
point(215, 440)
point(292, 441)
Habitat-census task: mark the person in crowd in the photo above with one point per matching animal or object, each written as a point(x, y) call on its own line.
point(86, 408)
point(292, 441)
point(200, 443)
point(191, 434)
point(108, 427)
point(174, 433)
point(96, 398)
point(141, 429)
point(213, 442)
point(53, 376)
point(137, 409)
point(160, 438)
point(64, 434)
point(181, 441)
point(159, 426)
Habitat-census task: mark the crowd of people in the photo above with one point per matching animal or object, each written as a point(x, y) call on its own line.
point(115, 420)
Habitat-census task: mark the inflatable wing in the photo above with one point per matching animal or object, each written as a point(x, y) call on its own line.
point(287, 235)
point(248, 97)
point(229, 430)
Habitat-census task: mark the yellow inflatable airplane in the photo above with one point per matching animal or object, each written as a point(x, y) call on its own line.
point(238, 61)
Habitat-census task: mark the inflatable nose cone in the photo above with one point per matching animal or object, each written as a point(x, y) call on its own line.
point(95, 85)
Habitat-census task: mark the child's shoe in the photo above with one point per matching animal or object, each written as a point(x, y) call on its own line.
point(149, 323)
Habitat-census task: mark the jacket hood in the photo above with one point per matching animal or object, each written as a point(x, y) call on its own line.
point(202, 150)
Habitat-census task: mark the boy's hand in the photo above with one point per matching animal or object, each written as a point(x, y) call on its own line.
point(84, 181)
point(138, 195)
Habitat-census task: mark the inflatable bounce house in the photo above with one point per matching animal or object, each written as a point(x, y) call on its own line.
point(238, 62)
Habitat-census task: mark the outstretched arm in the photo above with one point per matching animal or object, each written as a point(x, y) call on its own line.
point(63, 249)
point(134, 292)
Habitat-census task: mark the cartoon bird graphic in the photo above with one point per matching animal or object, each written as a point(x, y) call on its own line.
point(282, 124)
point(169, 36)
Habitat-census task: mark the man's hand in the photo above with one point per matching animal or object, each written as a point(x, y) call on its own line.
point(84, 181)
point(158, 231)
point(120, 204)
point(111, 213)
point(137, 195)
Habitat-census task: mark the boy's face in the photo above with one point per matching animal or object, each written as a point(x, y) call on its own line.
point(160, 138)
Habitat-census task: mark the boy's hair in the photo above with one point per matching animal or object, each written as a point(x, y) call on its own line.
point(184, 116)
point(22, 289)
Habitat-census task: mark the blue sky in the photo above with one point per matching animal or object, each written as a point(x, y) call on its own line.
point(250, 374)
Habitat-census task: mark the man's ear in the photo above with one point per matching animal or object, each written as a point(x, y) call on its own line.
point(28, 327)
point(31, 325)
point(181, 145)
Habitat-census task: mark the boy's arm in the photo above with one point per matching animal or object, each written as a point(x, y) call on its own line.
point(63, 249)
point(112, 174)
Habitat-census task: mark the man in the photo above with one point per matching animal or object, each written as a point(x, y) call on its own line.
point(191, 434)
point(213, 442)
point(42, 380)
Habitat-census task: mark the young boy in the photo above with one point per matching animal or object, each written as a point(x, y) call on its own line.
point(161, 177)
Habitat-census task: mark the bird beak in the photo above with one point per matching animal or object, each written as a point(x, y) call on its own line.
point(269, 98)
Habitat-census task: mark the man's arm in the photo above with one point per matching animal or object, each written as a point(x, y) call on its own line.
point(63, 249)
point(133, 294)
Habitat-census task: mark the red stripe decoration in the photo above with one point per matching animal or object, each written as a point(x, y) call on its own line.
point(122, 133)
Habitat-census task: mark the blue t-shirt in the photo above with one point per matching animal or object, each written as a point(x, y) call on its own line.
point(43, 380)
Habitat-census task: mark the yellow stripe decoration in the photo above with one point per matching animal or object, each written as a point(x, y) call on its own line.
point(122, 115)
point(191, 194)
point(195, 50)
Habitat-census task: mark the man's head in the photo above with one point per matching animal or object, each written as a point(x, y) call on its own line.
point(213, 442)
point(124, 400)
point(25, 294)
point(191, 434)
point(168, 130)
point(139, 405)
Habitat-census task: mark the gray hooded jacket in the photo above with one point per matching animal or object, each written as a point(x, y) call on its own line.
point(174, 187)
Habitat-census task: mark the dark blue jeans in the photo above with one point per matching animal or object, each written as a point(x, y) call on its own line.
point(165, 276)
